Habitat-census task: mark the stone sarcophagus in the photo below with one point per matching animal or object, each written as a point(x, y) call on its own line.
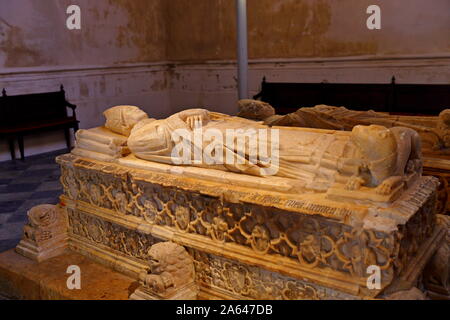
point(246, 243)
point(291, 214)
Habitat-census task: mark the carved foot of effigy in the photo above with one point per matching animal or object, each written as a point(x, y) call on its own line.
point(45, 235)
point(170, 274)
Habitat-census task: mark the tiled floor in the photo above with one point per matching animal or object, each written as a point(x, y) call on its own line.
point(24, 185)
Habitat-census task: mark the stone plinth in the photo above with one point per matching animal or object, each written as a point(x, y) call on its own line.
point(45, 235)
point(189, 292)
point(247, 242)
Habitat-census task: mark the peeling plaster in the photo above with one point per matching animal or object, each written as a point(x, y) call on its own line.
point(122, 31)
point(15, 49)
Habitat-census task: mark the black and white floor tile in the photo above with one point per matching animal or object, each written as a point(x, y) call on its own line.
point(24, 185)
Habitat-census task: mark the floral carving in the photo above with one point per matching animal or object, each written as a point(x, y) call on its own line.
point(219, 229)
point(260, 239)
point(183, 217)
point(310, 241)
point(243, 281)
point(120, 239)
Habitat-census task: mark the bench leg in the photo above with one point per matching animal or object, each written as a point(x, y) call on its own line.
point(12, 148)
point(22, 152)
point(68, 138)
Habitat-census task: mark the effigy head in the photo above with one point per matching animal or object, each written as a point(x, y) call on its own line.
point(122, 119)
point(149, 134)
point(255, 109)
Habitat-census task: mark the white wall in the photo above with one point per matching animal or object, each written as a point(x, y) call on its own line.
point(93, 90)
point(165, 56)
point(164, 88)
point(114, 58)
point(214, 84)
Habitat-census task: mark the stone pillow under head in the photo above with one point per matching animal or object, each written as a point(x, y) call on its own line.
point(122, 119)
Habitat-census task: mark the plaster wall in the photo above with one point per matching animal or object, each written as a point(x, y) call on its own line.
point(169, 55)
point(205, 29)
point(118, 57)
point(304, 41)
point(34, 33)
point(93, 90)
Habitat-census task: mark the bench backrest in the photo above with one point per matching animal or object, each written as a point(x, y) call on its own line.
point(389, 97)
point(32, 108)
point(429, 99)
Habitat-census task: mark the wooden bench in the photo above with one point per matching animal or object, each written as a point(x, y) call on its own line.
point(35, 113)
point(412, 99)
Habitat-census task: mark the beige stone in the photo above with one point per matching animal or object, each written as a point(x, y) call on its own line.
point(255, 110)
point(361, 202)
point(372, 163)
point(170, 276)
point(45, 235)
point(101, 144)
point(247, 243)
point(121, 119)
point(26, 279)
point(434, 133)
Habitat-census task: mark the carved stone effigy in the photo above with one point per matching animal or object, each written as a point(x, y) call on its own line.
point(45, 235)
point(339, 204)
point(434, 132)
